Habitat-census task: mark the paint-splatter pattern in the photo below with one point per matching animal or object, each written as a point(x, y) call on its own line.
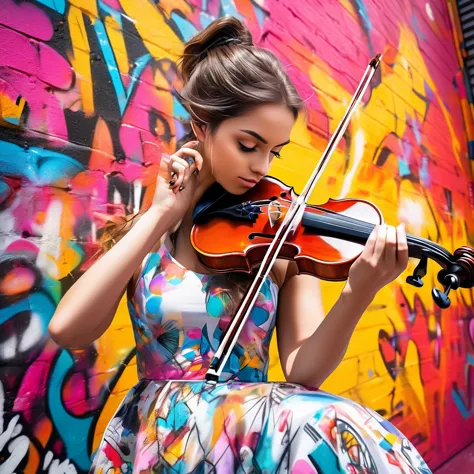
point(244, 423)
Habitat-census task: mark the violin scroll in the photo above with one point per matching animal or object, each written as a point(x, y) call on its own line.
point(458, 272)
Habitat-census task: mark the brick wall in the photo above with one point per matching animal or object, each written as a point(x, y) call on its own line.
point(86, 111)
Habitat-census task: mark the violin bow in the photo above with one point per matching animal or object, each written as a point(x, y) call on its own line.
point(290, 222)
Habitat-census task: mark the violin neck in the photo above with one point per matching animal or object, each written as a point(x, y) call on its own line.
point(357, 231)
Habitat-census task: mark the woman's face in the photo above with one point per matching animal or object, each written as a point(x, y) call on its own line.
point(241, 149)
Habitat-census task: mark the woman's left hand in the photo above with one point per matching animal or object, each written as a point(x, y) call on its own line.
point(384, 258)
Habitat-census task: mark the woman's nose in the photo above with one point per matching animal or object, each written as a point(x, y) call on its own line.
point(260, 165)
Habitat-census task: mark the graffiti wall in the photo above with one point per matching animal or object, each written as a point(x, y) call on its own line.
point(87, 109)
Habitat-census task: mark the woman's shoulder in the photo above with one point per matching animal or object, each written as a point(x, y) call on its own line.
point(132, 284)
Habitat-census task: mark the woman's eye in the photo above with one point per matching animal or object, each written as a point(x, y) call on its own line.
point(246, 149)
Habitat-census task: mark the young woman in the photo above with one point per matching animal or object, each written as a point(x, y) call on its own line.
point(243, 107)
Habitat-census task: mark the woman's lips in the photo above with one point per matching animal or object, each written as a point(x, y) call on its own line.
point(250, 183)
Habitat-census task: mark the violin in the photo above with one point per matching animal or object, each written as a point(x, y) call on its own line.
point(270, 221)
point(326, 242)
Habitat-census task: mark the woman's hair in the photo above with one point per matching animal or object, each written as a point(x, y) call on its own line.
point(224, 75)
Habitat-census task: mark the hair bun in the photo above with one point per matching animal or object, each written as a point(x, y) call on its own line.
point(224, 31)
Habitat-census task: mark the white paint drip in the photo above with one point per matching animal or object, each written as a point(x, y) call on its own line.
point(429, 12)
point(61, 468)
point(117, 199)
point(49, 245)
point(411, 212)
point(8, 348)
point(93, 231)
point(137, 194)
point(359, 143)
point(17, 445)
point(32, 335)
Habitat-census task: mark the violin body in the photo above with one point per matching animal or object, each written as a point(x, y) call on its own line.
point(234, 233)
point(232, 238)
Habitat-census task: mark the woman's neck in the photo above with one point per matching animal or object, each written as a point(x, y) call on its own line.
point(205, 180)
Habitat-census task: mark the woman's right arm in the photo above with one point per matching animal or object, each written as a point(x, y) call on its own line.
point(88, 307)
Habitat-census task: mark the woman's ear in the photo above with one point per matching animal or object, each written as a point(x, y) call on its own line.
point(199, 131)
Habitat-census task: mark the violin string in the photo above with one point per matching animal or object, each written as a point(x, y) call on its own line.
point(367, 227)
point(361, 225)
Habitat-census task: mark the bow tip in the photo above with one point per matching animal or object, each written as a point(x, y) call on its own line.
point(376, 60)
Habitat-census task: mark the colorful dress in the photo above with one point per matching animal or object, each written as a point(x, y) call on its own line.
point(173, 421)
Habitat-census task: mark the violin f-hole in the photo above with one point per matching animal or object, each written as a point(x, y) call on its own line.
point(259, 234)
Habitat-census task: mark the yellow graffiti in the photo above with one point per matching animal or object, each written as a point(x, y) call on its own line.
point(117, 42)
point(80, 57)
point(160, 40)
point(11, 110)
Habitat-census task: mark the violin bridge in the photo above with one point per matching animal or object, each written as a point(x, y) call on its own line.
point(274, 212)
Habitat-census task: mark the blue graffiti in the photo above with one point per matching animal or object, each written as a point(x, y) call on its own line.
point(38, 165)
point(459, 396)
point(123, 95)
point(70, 428)
point(56, 5)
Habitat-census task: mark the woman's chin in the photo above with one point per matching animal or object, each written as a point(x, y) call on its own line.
point(235, 188)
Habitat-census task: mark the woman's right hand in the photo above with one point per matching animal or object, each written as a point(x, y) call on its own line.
point(175, 189)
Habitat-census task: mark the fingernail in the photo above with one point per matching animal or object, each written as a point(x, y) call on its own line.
point(172, 182)
point(181, 188)
point(173, 175)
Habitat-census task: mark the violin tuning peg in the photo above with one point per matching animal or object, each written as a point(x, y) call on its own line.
point(418, 273)
point(414, 280)
point(440, 298)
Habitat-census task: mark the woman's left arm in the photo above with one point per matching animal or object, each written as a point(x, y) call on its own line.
point(310, 345)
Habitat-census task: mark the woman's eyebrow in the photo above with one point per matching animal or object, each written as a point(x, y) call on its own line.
point(258, 137)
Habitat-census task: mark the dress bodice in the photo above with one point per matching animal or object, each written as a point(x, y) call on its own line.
point(179, 317)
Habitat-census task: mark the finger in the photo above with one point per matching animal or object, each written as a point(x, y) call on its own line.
point(179, 169)
point(402, 247)
point(185, 171)
point(180, 173)
point(187, 155)
point(179, 164)
point(191, 144)
point(370, 245)
point(390, 253)
point(195, 156)
point(172, 174)
point(380, 243)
